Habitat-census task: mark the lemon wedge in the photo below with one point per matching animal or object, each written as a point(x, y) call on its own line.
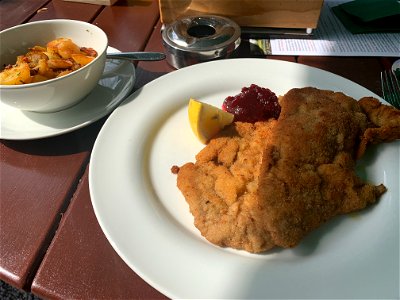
point(207, 120)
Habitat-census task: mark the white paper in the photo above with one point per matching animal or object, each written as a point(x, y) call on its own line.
point(331, 38)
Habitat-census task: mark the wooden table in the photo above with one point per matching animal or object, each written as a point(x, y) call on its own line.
point(50, 241)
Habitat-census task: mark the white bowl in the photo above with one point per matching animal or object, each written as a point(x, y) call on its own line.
point(59, 93)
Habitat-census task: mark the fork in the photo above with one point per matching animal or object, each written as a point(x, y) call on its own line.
point(390, 88)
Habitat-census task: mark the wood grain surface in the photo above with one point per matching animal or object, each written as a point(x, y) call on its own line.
point(50, 240)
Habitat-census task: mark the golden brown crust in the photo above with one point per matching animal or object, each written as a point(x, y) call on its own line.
point(311, 175)
point(384, 123)
point(269, 184)
point(221, 188)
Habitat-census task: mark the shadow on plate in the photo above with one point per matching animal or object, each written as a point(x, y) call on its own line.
point(115, 84)
point(93, 105)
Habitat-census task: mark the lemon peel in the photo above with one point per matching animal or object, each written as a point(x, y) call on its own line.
point(207, 120)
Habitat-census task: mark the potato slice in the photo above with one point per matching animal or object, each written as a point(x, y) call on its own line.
point(17, 74)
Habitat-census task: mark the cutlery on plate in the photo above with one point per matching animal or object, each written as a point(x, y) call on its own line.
point(150, 56)
point(390, 88)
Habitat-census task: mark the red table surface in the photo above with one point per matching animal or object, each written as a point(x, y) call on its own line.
point(50, 241)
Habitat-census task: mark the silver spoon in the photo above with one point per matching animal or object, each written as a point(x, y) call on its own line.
point(151, 56)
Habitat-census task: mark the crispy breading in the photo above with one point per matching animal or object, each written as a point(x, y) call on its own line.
point(257, 186)
point(221, 188)
point(384, 123)
point(308, 173)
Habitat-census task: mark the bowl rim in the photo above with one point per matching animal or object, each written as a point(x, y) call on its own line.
point(40, 83)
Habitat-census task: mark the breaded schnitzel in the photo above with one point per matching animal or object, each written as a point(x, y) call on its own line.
point(384, 123)
point(222, 187)
point(267, 184)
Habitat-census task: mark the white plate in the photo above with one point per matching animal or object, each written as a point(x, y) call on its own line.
point(147, 220)
point(115, 84)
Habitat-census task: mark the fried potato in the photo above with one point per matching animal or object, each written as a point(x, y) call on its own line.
point(15, 75)
point(60, 57)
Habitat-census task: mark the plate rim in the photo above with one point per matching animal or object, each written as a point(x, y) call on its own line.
point(129, 99)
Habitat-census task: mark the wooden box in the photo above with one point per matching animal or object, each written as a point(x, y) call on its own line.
point(248, 13)
point(99, 2)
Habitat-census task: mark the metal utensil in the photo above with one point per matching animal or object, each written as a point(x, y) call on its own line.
point(149, 56)
point(390, 88)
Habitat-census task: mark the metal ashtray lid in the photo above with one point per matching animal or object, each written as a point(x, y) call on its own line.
point(195, 39)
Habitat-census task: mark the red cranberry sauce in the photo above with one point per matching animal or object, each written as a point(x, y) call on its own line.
point(253, 104)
